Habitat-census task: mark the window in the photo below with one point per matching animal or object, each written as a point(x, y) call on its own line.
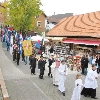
point(38, 23)
point(37, 16)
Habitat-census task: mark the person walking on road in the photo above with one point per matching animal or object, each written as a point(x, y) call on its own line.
point(51, 60)
point(63, 71)
point(55, 67)
point(18, 55)
point(33, 64)
point(77, 89)
point(98, 64)
point(82, 64)
point(86, 61)
point(41, 66)
point(90, 83)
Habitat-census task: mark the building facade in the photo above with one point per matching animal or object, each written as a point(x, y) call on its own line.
point(55, 19)
point(41, 22)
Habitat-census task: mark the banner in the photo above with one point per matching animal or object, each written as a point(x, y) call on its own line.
point(38, 44)
point(27, 47)
point(11, 45)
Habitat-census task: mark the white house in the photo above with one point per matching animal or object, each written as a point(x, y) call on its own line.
point(55, 19)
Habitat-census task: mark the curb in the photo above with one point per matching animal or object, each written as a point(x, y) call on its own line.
point(3, 87)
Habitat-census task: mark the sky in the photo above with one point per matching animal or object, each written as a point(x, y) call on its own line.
point(69, 6)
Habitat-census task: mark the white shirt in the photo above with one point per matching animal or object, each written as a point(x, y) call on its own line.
point(93, 60)
point(90, 81)
point(62, 68)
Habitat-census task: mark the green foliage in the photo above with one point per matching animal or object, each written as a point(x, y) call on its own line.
point(46, 31)
point(22, 13)
point(4, 9)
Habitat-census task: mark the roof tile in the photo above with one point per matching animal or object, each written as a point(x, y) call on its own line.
point(78, 25)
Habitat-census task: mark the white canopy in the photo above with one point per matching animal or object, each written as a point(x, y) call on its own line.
point(36, 38)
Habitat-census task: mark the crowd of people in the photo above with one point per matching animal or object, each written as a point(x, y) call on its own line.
point(58, 69)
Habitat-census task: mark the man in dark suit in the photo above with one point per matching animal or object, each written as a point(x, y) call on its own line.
point(82, 63)
point(51, 60)
point(41, 66)
point(85, 64)
point(33, 64)
point(98, 64)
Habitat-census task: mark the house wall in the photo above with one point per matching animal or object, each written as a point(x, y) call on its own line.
point(45, 23)
point(42, 20)
point(49, 26)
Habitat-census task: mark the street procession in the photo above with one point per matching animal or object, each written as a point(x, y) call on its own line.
point(49, 49)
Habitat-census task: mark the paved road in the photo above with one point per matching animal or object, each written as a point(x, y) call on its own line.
point(22, 85)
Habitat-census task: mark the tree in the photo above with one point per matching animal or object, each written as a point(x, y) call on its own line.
point(22, 13)
point(4, 9)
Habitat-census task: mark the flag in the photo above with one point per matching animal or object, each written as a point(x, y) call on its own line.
point(38, 44)
point(27, 47)
point(11, 43)
point(20, 43)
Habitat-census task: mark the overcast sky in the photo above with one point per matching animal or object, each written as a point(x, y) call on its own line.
point(69, 6)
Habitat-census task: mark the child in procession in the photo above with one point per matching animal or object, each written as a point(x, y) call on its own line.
point(77, 89)
point(63, 71)
point(56, 65)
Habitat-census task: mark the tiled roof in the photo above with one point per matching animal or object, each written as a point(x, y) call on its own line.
point(57, 18)
point(78, 25)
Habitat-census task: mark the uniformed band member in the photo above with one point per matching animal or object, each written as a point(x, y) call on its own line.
point(41, 66)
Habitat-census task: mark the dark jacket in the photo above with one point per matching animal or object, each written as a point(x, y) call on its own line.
point(51, 50)
point(33, 62)
point(82, 62)
point(50, 62)
point(17, 53)
point(23, 53)
point(85, 64)
point(41, 66)
point(98, 61)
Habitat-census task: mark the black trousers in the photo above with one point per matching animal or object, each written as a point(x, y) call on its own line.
point(82, 70)
point(49, 70)
point(17, 61)
point(41, 72)
point(41, 76)
point(98, 70)
point(14, 57)
point(89, 92)
point(23, 59)
point(33, 70)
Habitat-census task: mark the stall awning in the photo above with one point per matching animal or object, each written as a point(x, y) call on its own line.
point(86, 42)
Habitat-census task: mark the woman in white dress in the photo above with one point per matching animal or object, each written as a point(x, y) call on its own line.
point(77, 89)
